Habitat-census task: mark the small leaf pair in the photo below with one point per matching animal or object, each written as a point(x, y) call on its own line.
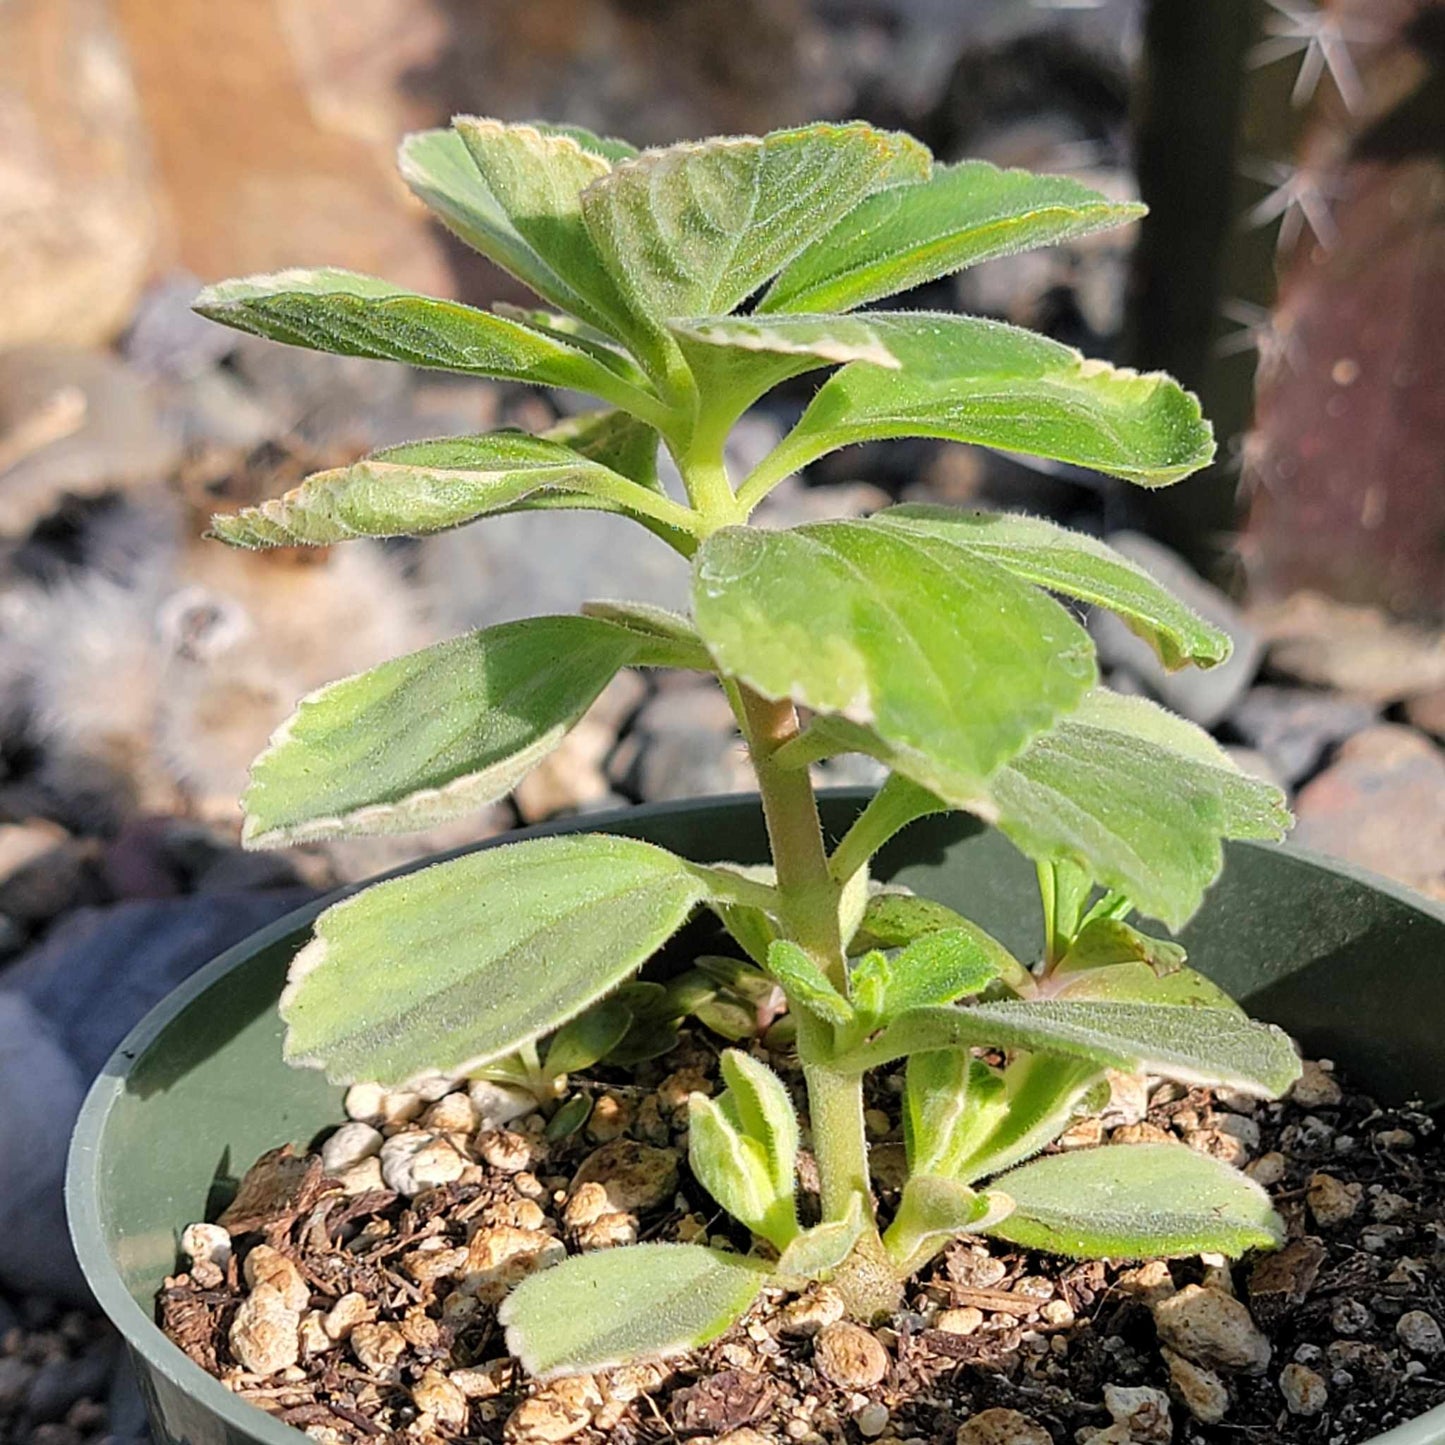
point(743, 1147)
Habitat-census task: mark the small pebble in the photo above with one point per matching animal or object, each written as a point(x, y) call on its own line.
point(1315, 1088)
point(850, 1356)
point(348, 1146)
point(382, 1108)
point(498, 1105)
point(267, 1266)
point(1142, 1410)
point(1420, 1333)
point(265, 1335)
point(417, 1161)
point(1305, 1392)
point(1350, 1316)
point(440, 1398)
point(1268, 1169)
point(871, 1420)
point(1198, 1388)
point(451, 1114)
point(507, 1151)
point(1002, 1427)
point(1398, 1141)
point(963, 1321)
point(1212, 1328)
point(1331, 1200)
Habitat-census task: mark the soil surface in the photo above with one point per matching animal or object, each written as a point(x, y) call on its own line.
point(356, 1298)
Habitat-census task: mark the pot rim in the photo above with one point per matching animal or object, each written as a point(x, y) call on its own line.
point(144, 1337)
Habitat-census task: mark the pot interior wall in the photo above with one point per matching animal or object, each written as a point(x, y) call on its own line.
point(197, 1093)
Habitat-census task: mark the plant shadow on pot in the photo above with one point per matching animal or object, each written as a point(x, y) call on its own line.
point(1349, 964)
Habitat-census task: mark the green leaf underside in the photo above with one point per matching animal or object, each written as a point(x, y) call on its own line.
point(538, 178)
point(439, 970)
point(943, 655)
point(591, 1036)
point(1193, 1045)
point(355, 315)
point(969, 380)
point(617, 1305)
point(818, 1251)
point(559, 263)
point(765, 1110)
point(933, 1211)
point(939, 968)
point(1136, 1201)
point(806, 985)
point(817, 340)
point(671, 633)
point(1140, 797)
point(417, 489)
point(964, 214)
point(935, 1106)
point(1139, 983)
point(1042, 1094)
point(696, 228)
point(1076, 566)
point(614, 440)
point(436, 733)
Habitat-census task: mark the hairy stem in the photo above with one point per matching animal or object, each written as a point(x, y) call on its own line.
point(810, 898)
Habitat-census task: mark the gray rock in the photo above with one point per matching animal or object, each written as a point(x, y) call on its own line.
point(683, 744)
point(58, 1384)
point(74, 422)
point(63, 1009)
point(1295, 726)
point(167, 338)
point(1381, 804)
point(1203, 696)
point(536, 562)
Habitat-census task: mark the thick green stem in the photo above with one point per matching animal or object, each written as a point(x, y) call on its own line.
point(809, 899)
point(809, 894)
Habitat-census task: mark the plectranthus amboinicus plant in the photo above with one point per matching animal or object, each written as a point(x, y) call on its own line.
point(677, 287)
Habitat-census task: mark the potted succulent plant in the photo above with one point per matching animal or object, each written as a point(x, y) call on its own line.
point(685, 283)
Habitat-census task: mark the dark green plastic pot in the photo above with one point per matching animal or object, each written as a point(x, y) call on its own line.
point(1350, 964)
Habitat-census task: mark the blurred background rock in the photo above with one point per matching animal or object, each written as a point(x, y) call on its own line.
point(1290, 270)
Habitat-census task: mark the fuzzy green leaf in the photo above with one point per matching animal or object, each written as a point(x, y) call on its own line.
point(617, 1305)
point(932, 1212)
point(947, 658)
point(439, 969)
point(666, 629)
point(806, 985)
point(1141, 798)
point(1194, 1045)
point(1136, 1201)
point(1076, 566)
point(733, 1167)
point(590, 1037)
point(612, 439)
point(935, 1106)
point(818, 1251)
point(964, 214)
point(538, 177)
point(818, 340)
point(938, 968)
point(766, 1111)
point(341, 311)
point(892, 920)
point(511, 192)
point(1042, 1094)
point(424, 487)
point(983, 382)
point(696, 228)
point(437, 733)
